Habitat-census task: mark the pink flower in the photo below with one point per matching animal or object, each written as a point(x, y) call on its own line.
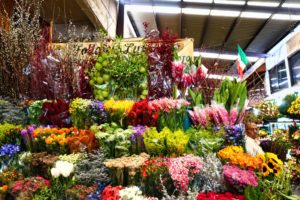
point(199, 117)
point(237, 176)
point(233, 116)
point(177, 71)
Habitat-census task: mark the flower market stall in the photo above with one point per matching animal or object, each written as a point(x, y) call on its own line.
point(134, 125)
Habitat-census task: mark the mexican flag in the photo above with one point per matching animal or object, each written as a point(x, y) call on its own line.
point(242, 61)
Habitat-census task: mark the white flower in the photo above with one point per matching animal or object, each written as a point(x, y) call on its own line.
point(55, 172)
point(65, 168)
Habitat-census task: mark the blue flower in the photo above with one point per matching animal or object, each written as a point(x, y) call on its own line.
point(9, 150)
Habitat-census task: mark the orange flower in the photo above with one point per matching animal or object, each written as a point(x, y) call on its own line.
point(48, 140)
point(4, 187)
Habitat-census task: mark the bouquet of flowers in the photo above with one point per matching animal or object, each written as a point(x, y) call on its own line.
point(271, 165)
point(29, 185)
point(110, 192)
point(238, 178)
point(79, 111)
point(7, 154)
point(171, 112)
point(219, 196)
point(268, 110)
point(235, 155)
point(118, 110)
point(155, 141)
point(84, 140)
point(10, 133)
point(79, 192)
point(294, 109)
point(143, 113)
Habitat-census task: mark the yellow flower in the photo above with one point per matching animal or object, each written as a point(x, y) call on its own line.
point(48, 140)
point(265, 169)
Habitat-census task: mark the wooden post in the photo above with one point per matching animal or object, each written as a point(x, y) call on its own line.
point(51, 34)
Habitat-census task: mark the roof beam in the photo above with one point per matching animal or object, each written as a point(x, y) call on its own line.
point(180, 21)
point(263, 25)
point(204, 28)
point(131, 20)
point(248, 8)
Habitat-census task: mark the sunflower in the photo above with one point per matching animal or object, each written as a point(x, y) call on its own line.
point(266, 170)
point(276, 171)
point(271, 165)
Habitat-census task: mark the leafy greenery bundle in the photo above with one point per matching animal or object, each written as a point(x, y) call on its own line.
point(10, 134)
point(115, 140)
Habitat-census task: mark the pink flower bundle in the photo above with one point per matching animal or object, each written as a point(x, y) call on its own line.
point(185, 80)
point(198, 116)
point(168, 104)
point(238, 177)
point(184, 169)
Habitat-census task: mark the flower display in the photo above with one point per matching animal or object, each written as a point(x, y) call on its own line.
point(184, 169)
point(167, 104)
point(9, 150)
point(84, 140)
point(63, 168)
point(294, 109)
point(9, 133)
point(79, 192)
point(155, 141)
point(286, 104)
point(30, 184)
point(123, 106)
point(35, 111)
point(235, 156)
point(219, 196)
point(10, 175)
point(142, 113)
point(238, 177)
point(176, 142)
point(271, 164)
point(268, 110)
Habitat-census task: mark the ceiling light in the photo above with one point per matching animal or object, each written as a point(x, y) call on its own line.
point(264, 4)
point(286, 17)
point(195, 11)
point(199, 1)
point(257, 15)
point(291, 5)
point(155, 9)
point(229, 2)
point(221, 77)
point(167, 9)
point(225, 13)
point(222, 56)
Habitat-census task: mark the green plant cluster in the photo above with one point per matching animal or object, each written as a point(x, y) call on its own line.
point(165, 142)
point(119, 74)
point(9, 134)
point(79, 111)
point(35, 111)
point(203, 141)
point(115, 140)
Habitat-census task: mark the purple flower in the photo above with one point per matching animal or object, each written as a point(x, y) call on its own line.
point(138, 130)
point(9, 150)
point(234, 135)
point(98, 113)
point(24, 132)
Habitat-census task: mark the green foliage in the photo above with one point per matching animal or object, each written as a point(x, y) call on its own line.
point(204, 141)
point(11, 113)
point(119, 73)
point(197, 98)
point(255, 193)
point(115, 140)
point(9, 133)
point(79, 111)
point(45, 194)
point(176, 142)
point(35, 111)
point(155, 141)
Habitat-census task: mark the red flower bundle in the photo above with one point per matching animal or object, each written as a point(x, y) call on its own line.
point(55, 113)
point(219, 196)
point(111, 193)
point(142, 113)
point(31, 184)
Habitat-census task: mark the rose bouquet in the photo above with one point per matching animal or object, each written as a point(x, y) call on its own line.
point(238, 178)
point(143, 113)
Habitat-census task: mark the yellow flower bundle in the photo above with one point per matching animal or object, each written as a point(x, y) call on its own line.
point(271, 164)
point(118, 106)
point(295, 107)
